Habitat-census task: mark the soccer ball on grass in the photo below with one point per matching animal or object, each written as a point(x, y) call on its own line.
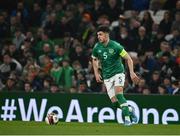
point(51, 119)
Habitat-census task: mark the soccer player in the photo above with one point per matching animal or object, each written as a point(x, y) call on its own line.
point(107, 54)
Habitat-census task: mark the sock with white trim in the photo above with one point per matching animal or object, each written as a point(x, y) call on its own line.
point(124, 106)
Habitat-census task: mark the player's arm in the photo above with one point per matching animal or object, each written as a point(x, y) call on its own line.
point(95, 63)
point(129, 61)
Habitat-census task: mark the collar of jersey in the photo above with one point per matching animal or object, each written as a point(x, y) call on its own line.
point(105, 45)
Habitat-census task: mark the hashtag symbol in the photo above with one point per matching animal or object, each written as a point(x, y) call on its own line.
point(9, 109)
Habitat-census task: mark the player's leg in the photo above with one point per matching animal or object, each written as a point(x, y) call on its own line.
point(123, 104)
point(117, 100)
point(119, 80)
point(111, 93)
point(133, 116)
point(114, 101)
point(109, 83)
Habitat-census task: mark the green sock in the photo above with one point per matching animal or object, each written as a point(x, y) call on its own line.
point(121, 99)
point(117, 105)
point(123, 103)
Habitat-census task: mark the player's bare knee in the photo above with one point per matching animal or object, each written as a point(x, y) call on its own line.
point(113, 99)
point(118, 89)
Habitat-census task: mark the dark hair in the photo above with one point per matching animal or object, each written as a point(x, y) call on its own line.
point(27, 82)
point(166, 54)
point(163, 86)
point(103, 28)
point(8, 54)
point(54, 84)
point(176, 83)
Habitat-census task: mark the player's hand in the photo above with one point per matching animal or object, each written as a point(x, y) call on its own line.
point(134, 78)
point(98, 78)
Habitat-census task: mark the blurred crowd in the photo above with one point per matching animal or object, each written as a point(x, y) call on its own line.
point(46, 45)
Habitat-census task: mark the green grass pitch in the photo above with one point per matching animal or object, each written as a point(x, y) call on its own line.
point(62, 128)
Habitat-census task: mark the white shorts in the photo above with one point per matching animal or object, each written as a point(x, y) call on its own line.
point(116, 80)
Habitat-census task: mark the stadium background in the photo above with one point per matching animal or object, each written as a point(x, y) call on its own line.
point(45, 54)
point(46, 44)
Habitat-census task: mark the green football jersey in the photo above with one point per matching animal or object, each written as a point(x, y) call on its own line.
point(109, 57)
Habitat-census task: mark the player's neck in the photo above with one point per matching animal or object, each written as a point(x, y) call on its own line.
point(106, 42)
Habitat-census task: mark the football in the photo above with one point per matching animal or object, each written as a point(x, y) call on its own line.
point(51, 119)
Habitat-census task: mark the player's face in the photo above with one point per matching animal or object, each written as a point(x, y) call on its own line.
point(102, 36)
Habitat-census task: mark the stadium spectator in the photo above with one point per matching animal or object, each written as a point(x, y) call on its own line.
point(46, 65)
point(176, 7)
point(122, 35)
point(166, 64)
point(103, 20)
point(36, 15)
point(147, 22)
point(59, 11)
point(31, 74)
point(146, 91)
point(79, 55)
point(10, 84)
point(80, 78)
point(19, 38)
point(167, 83)
point(162, 89)
point(157, 40)
point(4, 29)
point(67, 76)
point(28, 87)
point(54, 88)
point(164, 47)
point(26, 52)
point(52, 26)
point(56, 73)
point(9, 65)
point(133, 27)
point(47, 84)
point(113, 9)
point(176, 87)
point(140, 86)
point(97, 9)
point(142, 41)
point(46, 51)
point(86, 27)
point(14, 25)
point(176, 68)
point(44, 40)
point(154, 82)
point(46, 13)
point(60, 54)
point(175, 40)
point(165, 24)
point(22, 13)
point(82, 88)
point(14, 52)
point(128, 88)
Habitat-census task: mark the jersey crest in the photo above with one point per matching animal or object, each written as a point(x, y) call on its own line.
point(111, 51)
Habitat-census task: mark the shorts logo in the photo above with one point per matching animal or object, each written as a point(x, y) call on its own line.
point(120, 80)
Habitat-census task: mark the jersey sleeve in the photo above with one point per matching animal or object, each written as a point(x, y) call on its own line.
point(94, 52)
point(121, 50)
